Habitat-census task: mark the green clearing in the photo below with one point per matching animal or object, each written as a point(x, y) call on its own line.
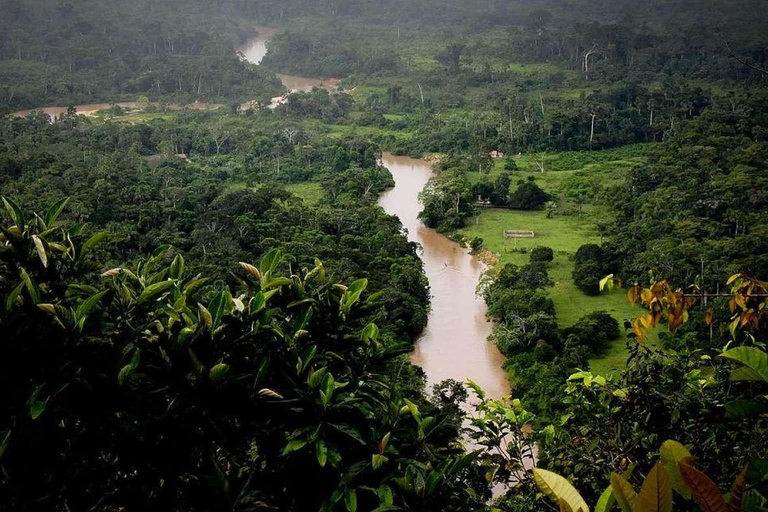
point(570, 173)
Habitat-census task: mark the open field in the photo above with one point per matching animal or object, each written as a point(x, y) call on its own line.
point(569, 174)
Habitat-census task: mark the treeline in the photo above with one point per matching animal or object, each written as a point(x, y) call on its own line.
point(82, 52)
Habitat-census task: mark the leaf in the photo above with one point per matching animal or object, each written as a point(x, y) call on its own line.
point(270, 261)
point(10, 301)
point(40, 248)
point(350, 500)
point(85, 307)
point(15, 212)
point(36, 407)
point(92, 242)
point(218, 372)
point(294, 445)
point(269, 393)
point(177, 267)
point(124, 373)
point(606, 501)
point(745, 407)
point(52, 215)
point(623, 492)
point(4, 443)
point(378, 460)
point(656, 492)
point(558, 488)
point(321, 452)
point(751, 357)
point(672, 453)
point(217, 307)
point(154, 290)
point(34, 293)
point(736, 500)
point(253, 271)
point(705, 492)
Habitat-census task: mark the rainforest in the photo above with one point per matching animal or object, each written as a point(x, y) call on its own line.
point(346, 255)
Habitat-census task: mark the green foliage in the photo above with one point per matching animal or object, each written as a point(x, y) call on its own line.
point(542, 254)
point(210, 398)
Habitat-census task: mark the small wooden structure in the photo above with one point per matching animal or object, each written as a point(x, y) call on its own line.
point(518, 233)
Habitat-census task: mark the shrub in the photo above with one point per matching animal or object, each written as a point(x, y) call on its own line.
point(476, 244)
point(589, 252)
point(542, 254)
point(586, 276)
point(528, 196)
point(595, 331)
point(535, 275)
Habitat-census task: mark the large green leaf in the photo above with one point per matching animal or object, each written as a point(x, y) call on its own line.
point(40, 248)
point(745, 407)
point(656, 492)
point(623, 492)
point(154, 290)
point(558, 488)
point(270, 261)
point(217, 308)
point(85, 307)
point(705, 492)
point(15, 212)
point(672, 453)
point(52, 215)
point(751, 357)
point(92, 242)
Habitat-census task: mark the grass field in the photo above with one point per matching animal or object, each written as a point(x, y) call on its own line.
point(568, 173)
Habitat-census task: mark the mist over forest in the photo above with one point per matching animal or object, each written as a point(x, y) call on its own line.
point(392, 255)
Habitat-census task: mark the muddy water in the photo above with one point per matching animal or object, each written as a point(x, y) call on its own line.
point(255, 49)
point(454, 344)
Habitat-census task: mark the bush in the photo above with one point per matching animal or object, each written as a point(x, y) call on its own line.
point(589, 252)
point(510, 164)
point(535, 275)
point(586, 277)
point(542, 254)
point(595, 331)
point(476, 244)
point(528, 196)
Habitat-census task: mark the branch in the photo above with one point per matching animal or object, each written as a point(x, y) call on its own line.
point(741, 60)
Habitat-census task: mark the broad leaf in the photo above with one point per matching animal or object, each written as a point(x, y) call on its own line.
point(40, 248)
point(15, 212)
point(92, 242)
point(672, 453)
point(218, 372)
point(656, 492)
point(558, 488)
point(623, 492)
point(736, 499)
point(153, 290)
point(751, 357)
point(52, 215)
point(705, 492)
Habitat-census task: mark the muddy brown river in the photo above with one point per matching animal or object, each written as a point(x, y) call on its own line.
point(455, 343)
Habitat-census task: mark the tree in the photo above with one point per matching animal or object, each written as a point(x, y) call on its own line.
point(528, 196)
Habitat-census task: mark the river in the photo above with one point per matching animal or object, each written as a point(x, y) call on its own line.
point(455, 343)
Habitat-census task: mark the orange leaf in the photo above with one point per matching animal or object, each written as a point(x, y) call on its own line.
point(705, 492)
point(736, 501)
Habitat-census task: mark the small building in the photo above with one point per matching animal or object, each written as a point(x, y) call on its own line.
point(496, 154)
